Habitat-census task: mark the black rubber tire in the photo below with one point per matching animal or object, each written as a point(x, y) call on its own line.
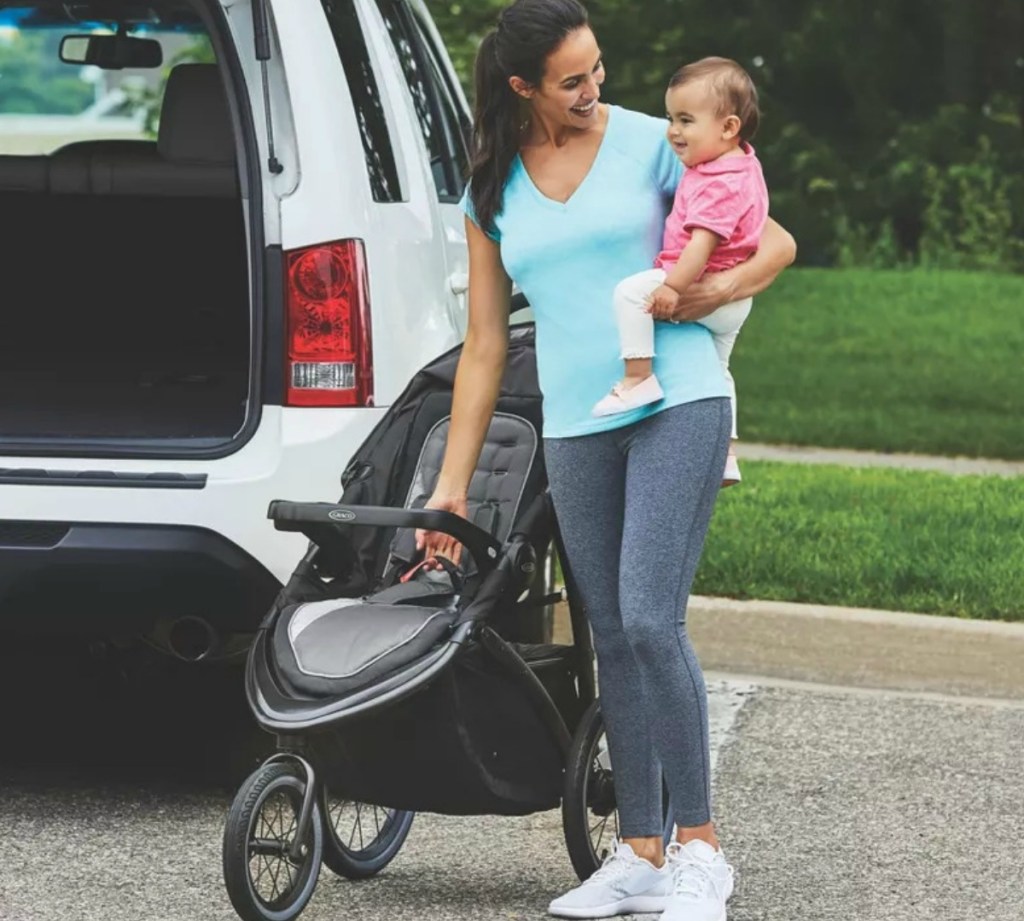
point(370, 857)
point(238, 830)
point(583, 798)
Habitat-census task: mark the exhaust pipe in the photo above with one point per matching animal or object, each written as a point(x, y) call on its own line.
point(192, 639)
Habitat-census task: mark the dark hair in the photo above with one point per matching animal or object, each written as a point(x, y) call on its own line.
point(732, 88)
point(527, 32)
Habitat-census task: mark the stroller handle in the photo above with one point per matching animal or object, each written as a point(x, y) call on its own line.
point(298, 516)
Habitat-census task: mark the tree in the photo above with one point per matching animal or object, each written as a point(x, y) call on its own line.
point(33, 79)
point(864, 104)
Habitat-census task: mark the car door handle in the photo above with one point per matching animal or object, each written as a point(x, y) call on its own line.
point(459, 282)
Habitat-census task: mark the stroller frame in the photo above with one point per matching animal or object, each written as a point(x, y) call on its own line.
point(288, 723)
point(569, 764)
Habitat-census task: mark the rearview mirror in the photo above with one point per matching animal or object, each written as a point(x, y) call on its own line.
point(111, 52)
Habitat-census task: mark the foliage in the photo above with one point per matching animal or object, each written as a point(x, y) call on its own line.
point(882, 121)
point(922, 361)
point(892, 539)
point(34, 81)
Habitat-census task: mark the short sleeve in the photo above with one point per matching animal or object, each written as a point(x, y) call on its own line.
point(714, 205)
point(668, 171)
point(466, 203)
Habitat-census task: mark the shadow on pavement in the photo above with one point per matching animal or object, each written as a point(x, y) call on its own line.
point(84, 713)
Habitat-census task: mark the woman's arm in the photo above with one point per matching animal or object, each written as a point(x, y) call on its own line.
point(777, 250)
point(477, 383)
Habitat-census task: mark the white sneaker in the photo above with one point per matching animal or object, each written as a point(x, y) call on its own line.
point(731, 476)
point(624, 884)
point(622, 400)
point(702, 882)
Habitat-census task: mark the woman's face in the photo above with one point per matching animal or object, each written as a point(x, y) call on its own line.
point(571, 86)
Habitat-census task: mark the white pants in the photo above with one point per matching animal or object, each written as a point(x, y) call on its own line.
point(636, 326)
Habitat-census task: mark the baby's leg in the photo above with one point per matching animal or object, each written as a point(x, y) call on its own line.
point(725, 324)
point(636, 325)
point(639, 386)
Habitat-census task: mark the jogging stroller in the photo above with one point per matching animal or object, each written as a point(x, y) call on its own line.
point(394, 689)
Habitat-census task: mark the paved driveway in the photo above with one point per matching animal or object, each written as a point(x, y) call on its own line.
point(833, 804)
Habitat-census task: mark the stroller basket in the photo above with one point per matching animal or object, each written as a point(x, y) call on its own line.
point(466, 745)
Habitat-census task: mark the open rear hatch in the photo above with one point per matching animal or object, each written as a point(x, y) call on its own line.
point(127, 316)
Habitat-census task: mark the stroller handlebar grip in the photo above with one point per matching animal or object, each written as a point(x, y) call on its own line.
point(291, 516)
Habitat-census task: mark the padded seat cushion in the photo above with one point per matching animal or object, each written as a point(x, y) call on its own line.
point(337, 646)
point(496, 487)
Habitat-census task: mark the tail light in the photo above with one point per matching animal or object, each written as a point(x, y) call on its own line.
point(330, 355)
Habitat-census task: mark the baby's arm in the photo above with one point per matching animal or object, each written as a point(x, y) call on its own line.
point(684, 273)
point(694, 257)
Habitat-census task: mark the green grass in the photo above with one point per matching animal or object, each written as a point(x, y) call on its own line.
point(929, 362)
point(889, 539)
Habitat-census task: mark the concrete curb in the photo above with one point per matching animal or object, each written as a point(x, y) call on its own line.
point(858, 615)
point(956, 466)
point(859, 648)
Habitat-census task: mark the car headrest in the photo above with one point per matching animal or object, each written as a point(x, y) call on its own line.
point(195, 123)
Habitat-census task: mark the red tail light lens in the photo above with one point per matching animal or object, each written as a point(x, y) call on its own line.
point(330, 355)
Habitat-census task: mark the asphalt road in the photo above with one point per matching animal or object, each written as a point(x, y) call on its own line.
point(832, 803)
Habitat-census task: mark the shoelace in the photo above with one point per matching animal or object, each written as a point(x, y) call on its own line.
point(692, 876)
point(615, 866)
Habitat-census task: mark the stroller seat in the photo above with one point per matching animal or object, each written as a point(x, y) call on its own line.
point(337, 646)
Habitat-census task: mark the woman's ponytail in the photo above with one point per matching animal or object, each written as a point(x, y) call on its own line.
point(527, 32)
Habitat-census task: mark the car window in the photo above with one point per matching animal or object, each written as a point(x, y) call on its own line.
point(451, 121)
point(457, 117)
point(362, 83)
point(46, 103)
point(435, 110)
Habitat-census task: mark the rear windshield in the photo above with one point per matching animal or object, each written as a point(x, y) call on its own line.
point(46, 103)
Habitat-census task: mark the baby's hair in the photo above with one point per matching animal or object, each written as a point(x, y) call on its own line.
point(731, 86)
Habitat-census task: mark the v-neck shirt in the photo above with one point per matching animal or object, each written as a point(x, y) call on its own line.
point(567, 258)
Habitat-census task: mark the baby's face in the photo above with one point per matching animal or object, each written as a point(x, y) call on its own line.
point(697, 134)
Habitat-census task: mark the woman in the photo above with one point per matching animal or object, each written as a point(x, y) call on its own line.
point(567, 197)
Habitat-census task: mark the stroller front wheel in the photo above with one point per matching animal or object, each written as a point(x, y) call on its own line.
point(264, 882)
point(360, 839)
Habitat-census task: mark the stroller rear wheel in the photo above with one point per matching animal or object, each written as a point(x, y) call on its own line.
point(590, 818)
point(264, 882)
point(360, 840)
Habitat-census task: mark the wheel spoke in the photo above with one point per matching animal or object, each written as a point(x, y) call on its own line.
point(273, 873)
point(352, 837)
point(602, 824)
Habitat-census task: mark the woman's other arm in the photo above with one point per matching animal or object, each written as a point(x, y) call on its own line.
point(777, 250)
point(477, 383)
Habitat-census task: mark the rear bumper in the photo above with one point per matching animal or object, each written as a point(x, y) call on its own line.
point(98, 578)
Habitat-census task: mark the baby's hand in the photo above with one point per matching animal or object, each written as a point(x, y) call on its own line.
point(663, 302)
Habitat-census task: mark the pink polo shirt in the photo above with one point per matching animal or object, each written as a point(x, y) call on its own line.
point(727, 196)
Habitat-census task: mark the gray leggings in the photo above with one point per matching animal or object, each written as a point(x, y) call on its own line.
point(634, 506)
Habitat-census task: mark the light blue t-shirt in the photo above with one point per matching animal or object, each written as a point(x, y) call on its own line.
point(568, 258)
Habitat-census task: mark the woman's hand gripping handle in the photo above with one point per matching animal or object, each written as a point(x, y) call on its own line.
point(437, 543)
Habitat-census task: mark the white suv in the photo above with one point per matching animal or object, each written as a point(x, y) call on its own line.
point(209, 315)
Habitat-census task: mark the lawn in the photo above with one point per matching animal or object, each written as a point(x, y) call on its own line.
point(889, 539)
point(929, 362)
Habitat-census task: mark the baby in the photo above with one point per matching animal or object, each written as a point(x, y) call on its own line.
point(720, 209)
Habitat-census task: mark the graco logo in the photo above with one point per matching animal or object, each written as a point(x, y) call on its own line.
point(342, 514)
